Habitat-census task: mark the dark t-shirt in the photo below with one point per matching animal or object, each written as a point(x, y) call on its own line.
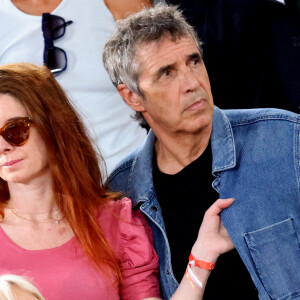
point(184, 198)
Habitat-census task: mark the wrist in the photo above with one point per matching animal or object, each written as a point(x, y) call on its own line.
point(205, 254)
point(209, 266)
point(198, 269)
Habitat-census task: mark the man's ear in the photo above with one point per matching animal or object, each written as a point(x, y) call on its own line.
point(133, 99)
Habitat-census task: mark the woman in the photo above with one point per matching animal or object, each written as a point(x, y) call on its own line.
point(59, 225)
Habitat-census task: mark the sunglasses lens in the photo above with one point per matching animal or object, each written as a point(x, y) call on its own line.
point(56, 60)
point(16, 133)
point(53, 26)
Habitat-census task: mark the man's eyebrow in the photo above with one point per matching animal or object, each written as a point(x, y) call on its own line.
point(195, 55)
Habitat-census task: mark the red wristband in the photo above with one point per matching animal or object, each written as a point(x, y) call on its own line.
point(202, 264)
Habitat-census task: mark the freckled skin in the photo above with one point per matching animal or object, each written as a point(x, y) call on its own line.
point(34, 156)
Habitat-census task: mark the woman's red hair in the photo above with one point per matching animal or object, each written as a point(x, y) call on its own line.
point(77, 181)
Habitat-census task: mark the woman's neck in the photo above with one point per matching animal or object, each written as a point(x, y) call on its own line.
point(31, 198)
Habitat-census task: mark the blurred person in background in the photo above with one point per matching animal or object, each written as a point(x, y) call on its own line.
point(70, 41)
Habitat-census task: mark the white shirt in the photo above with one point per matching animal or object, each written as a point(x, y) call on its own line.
point(86, 82)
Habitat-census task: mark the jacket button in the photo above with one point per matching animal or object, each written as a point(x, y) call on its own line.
point(168, 272)
point(154, 208)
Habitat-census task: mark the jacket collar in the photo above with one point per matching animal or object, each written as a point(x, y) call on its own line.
point(141, 187)
point(222, 143)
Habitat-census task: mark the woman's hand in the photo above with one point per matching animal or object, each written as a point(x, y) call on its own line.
point(213, 238)
point(212, 241)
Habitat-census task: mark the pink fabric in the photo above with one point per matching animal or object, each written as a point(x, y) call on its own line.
point(65, 272)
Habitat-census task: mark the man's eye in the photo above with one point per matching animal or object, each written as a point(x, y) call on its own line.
point(195, 61)
point(167, 73)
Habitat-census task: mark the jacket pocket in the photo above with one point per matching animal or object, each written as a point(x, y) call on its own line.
point(276, 255)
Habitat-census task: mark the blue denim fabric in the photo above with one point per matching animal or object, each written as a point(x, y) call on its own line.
point(255, 160)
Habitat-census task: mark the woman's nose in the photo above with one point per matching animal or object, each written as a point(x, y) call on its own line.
point(4, 145)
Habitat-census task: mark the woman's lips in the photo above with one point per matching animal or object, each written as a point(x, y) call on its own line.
point(11, 163)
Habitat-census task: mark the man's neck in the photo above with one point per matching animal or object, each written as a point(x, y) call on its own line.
point(174, 153)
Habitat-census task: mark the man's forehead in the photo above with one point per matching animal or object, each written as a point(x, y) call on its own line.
point(159, 44)
point(158, 51)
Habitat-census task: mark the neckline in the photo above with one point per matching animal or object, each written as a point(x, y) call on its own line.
point(203, 159)
point(67, 244)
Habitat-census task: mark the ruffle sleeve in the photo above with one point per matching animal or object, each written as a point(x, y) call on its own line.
point(138, 259)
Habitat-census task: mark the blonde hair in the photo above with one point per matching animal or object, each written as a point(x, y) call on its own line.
point(9, 281)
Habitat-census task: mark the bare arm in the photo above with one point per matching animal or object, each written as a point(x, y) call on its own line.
point(213, 240)
point(121, 9)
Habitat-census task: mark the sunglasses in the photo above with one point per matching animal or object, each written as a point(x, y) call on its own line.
point(16, 132)
point(54, 27)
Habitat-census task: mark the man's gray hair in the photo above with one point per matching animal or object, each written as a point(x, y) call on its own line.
point(146, 26)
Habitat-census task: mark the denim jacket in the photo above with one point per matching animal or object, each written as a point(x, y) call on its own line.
point(255, 160)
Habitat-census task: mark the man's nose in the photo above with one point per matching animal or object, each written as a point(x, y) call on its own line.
point(190, 80)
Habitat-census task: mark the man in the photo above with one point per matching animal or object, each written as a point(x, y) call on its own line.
point(154, 59)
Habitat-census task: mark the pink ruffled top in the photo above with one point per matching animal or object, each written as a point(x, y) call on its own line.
point(65, 272)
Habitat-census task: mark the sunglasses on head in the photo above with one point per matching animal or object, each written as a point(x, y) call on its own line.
point(54, 27)
point(16, 132)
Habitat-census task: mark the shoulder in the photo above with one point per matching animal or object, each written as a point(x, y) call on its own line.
point(123, 166)
point(118, 179)
point(130, 236)
point(133, 175)
point(114, 208)
point(116, 217)
point(248, 116)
